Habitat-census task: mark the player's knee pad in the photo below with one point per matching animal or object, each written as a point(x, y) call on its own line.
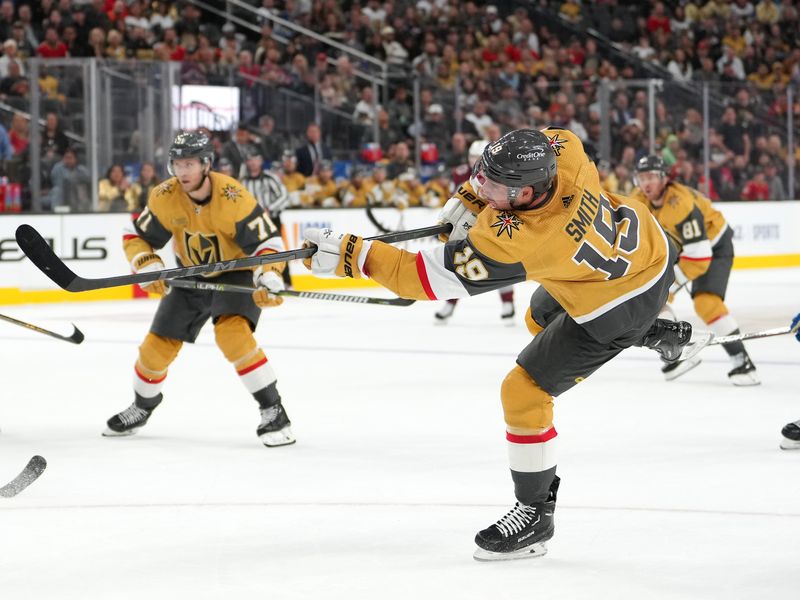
point(526, 406)
point(709, 307)
point(235, 338)
point(157, 353)
point(533, 326)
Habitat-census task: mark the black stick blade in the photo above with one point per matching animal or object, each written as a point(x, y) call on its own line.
point(77, 335)
point(41, 254)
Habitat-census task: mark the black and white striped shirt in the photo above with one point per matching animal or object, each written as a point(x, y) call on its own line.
point(268, 191)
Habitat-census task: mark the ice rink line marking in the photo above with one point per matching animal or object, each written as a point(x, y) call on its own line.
point(157, 505)
point(778, 363)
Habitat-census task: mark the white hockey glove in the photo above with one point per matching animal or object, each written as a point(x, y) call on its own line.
point(147, 262)
point(680, 280)
point(337, 255)
point(459, 216)
point(268, 282)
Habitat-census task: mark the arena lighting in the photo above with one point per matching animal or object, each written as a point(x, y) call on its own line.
point(211, 106)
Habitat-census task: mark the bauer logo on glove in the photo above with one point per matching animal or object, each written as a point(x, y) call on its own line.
point(337, 255)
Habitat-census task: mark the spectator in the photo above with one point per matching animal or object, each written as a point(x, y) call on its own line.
point(479, 118)
point(399, 108)
point(19, 133)
point(53, 138)
point(71, 185)
point(400, 161)
point(757, 188)
point(52, 46)
point(733, 135)
point(272, 142)
point(388, 134)
point(395, 53)
point(775, 183)
point(235, 150)
point(679, 67)
point(767, 12)
point(366, 110)
point(6, 150)
point(14, 84)
point(141, 188)
point(312, 152)
point(730, 63)
point(6, 18)
point(9, 56)
point(114, 191)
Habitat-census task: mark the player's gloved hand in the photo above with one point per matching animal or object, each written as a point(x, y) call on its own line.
point(796, 326)
point(677, 285)
point(337, 255)
point(268, 282)
point(457, 214)
point(147, 262)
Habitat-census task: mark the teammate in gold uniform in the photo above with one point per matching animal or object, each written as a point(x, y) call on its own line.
point(321, 190)
point(210, 217)
point(705, 247)
point(535, 210)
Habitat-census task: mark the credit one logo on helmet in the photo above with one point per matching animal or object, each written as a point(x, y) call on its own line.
point(531, 155)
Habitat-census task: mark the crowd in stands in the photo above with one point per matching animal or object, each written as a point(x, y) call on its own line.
point(483, 69)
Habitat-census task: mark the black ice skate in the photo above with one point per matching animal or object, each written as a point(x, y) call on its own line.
point(791, 436)
point(275, 428)
point(521, 533)
point(133, 418)
point(744, 371)
point(669, 338)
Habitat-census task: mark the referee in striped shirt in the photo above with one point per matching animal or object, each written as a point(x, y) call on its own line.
point(267, 189)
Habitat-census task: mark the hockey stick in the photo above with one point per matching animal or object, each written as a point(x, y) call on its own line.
point(41, 254)
point(29, 474)
point(225, 287)
point(753, 335)
point(75, 338)
point(702, 339)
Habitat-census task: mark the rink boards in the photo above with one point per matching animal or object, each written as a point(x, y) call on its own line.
point(766, 234)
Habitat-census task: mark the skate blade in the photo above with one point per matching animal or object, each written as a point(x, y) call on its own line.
point(684, 367)
point(745, 379)
point(787, 444)
point(272, 439)
point(700, 339)
point(533, 551)
point(111, 433)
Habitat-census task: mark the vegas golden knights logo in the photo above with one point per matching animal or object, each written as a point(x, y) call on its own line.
point(201, 249)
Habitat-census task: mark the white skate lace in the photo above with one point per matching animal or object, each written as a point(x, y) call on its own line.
point(516, 519)
point(268, 415)
point(131, 415)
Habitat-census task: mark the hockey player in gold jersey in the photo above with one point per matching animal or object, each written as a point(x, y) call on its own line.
point(535, 210)
point(705, 249)
point(209, 217)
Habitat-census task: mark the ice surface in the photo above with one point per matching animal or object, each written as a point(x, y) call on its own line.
point(669, 490)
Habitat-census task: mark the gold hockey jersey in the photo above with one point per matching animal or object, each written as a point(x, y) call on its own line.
point(597, 254)
point(319, 193)
point(691, 222)
point(230, 225)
